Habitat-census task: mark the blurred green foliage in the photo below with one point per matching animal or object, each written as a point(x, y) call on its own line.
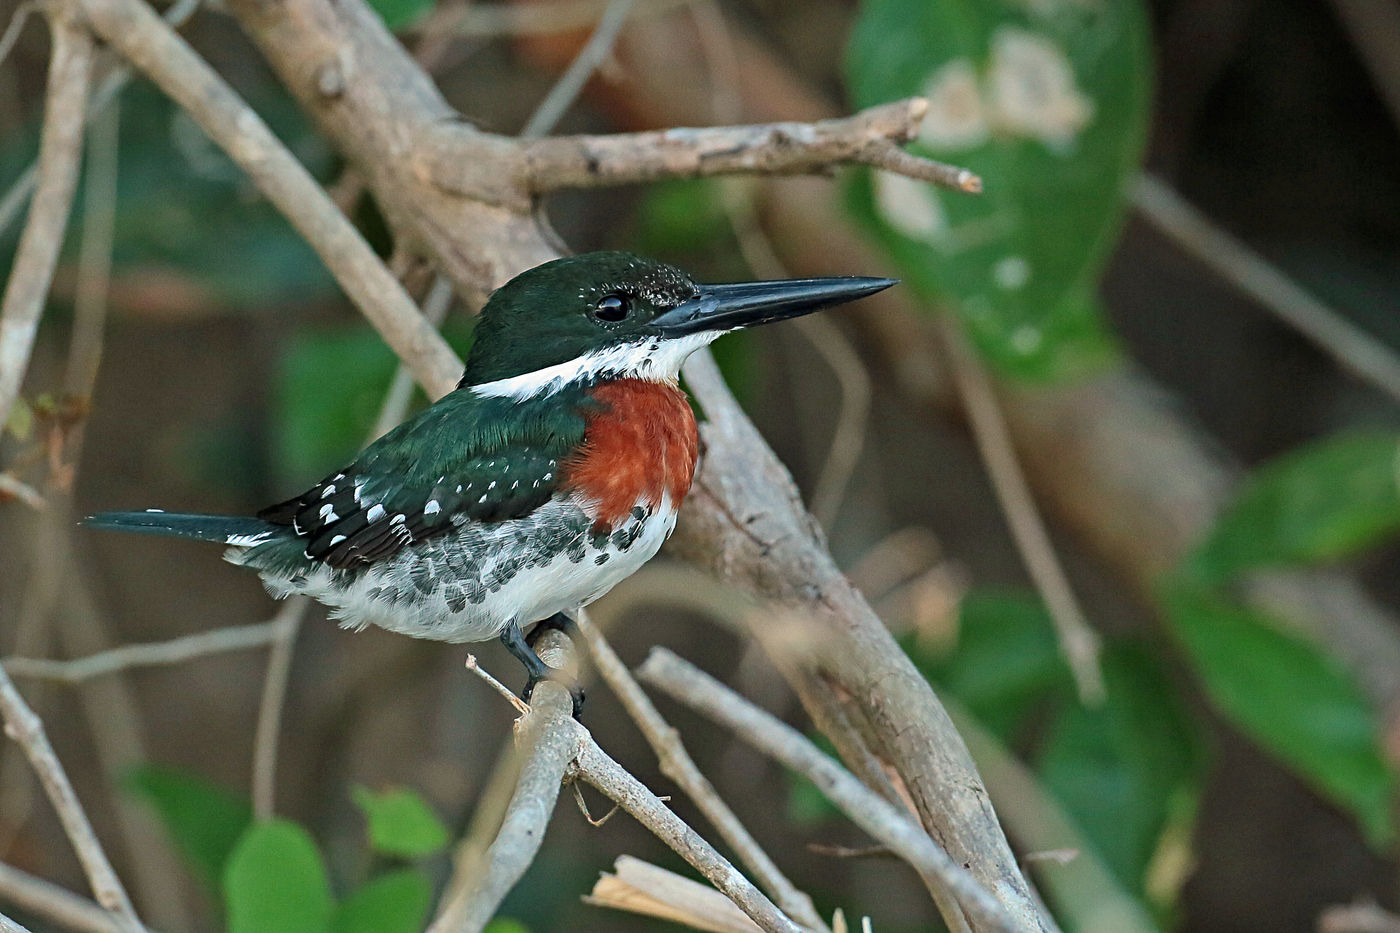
point(1048, 102)
point(272, 875)
point(1327, 500)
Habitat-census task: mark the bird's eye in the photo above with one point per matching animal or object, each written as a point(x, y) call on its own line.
point(612, 308)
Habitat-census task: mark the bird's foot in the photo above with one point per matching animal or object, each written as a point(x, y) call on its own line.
point(574, 688)
point(534, 666)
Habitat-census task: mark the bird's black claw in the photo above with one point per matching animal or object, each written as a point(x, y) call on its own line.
point(575, 690)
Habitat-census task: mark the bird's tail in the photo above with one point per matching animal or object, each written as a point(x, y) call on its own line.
point(236, 530)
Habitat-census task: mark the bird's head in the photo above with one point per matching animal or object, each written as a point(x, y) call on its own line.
point(609, 315)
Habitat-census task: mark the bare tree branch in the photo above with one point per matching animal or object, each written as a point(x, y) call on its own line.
point(153, 654)
point(780, 741)
point(22, 725)
point(677, 765)
point(870, 137)
point(60, 151)
point(551, 748)
point(55, 903)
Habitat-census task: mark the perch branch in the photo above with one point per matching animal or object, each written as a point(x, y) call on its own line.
point(550, 748)
point(22, 725)
point(677, 765)
point(871, 137)
point(60, 151)
point(868, 810)
point(274, 695)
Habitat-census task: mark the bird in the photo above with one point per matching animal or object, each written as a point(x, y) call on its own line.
point(552, 472)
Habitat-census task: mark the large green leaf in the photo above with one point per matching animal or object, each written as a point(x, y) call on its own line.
point(276, 882)
point(396, 902)
point(204, 820)
point(401, 822)
point(1293, 699)
point(1328, 500)
point(1125, 769)
point(1047, 101)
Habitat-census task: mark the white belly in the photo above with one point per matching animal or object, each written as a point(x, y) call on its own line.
point(468, 585)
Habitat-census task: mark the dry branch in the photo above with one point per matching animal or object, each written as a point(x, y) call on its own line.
point(780, 741)
point(867, 138)
point(46, 899)
point(677, 765)
point(642, 888)
point(22, 725)
point(60, 151)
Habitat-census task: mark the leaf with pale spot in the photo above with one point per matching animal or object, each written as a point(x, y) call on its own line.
point(1046, 101)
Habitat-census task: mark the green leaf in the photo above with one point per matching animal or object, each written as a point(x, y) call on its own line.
point(276, 882)
point(1124, 768)
point(396, 902)
point(400, 822)
point(330, 386)
point(1293, 699)
point(1327, 500)
point(506, 925)
point(1006, 661)
point(400, 13)
point(1048, 102)
point(204, 820)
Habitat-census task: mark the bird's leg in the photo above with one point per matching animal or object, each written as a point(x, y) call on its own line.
point(536, 669)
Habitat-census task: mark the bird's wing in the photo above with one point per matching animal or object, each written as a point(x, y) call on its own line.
point(463, 459)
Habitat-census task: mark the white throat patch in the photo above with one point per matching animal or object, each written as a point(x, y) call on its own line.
point(655, 360)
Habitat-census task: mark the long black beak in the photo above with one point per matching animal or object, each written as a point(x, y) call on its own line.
point(746, 304)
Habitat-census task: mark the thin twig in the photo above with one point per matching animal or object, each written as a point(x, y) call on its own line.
point(53, 902)
point(94, 259)
point(1374, 28)
point(1079, 643)
point(598, 769)
point(646, 889)
point(274, 695)
point(520, 705)
point(870, 137)
point(486, 20)
point(566, 90)
point(698, 690)
point(153, 654)
point(677, 765)
point(1354, 350)
point(60, 150)
point(15, 26)
point(22, 725)
point(11, 487)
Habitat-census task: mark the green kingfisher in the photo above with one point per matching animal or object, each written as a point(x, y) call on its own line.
point(553, 471)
